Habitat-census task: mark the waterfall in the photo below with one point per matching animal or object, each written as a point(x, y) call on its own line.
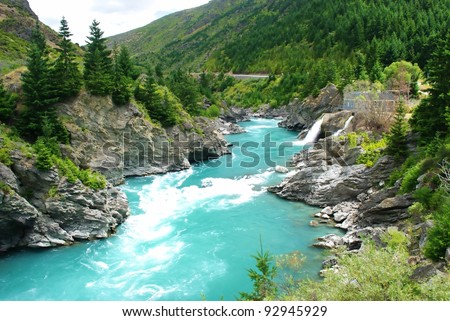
point(347, 123)
point(312, 134)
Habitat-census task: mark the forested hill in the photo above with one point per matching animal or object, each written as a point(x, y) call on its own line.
point(17, 21)
point(292, 36)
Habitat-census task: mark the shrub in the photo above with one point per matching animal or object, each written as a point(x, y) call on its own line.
point(424, 196)
point(374, 274)
point(212, 112)
point(92, 179)
point(68, 169)
point(5, 157)
point(439, 235)
point(417, 209)
point(373, 150)
point(264, 286)
point(5, 188)
point(410, 178)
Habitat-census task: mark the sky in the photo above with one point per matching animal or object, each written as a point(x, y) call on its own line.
point(115, 16)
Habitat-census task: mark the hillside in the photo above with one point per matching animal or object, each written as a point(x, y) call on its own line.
point(17, 21)
point(292, 36)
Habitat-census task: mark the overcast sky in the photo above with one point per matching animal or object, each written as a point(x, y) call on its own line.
point(115, 16)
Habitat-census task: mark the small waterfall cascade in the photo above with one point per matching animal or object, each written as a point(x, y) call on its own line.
point(312, 134)
point(347, 123)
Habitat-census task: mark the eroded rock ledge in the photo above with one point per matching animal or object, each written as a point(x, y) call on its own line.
point(41, 209)
point(119, 141)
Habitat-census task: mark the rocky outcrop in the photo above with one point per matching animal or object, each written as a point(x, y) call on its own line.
point(198, 142)
point(384, 207)
point(335, 122)
point(119, 141)
point(235, 115)
point(302, 115)
point(267, 111)
point(22, 5)
point(325, 185)
point(41, 209)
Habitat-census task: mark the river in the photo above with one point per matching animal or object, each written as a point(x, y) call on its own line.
point(191, 235)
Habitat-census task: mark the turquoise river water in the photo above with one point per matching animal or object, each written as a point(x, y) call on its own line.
point(191, 234)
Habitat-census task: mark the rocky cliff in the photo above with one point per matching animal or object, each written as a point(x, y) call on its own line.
point(41, 209)
point(121, 141)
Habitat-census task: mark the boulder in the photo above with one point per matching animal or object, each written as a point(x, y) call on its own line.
point(327, 210)
point(385, 208)
point(267, 111)
point(330, 262)
point(281, 169)
point(235, 114)
point(340, 216)
point(424, 273)
point(330, 241)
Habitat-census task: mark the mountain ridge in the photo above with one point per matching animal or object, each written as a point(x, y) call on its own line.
point(289, 36)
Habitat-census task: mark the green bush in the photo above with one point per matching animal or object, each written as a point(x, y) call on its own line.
point(264, 286)
point(424, 196)
point(73, 173)
point(374, 274)
point(212, 112)
point(92, 179)
point(409, 181)
point(439, 235)
point(373, 150)
point(68, 169)
point(417, 209)
point(352, 139)
point(5, 157)
point(5, 188)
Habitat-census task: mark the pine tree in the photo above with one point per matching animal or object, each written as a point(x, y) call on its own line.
point(7, 104)
point(121, 94)
point(264, 286)
point(39, 93)
point(66, 75)
point(37, 84)
point(98, 67)
point(429, 118)
point(397, 139)
point(124, 62)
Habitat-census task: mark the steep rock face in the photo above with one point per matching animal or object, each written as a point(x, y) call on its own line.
point(41, 209)
point(199, 143)
point(235, 114)
point(21, 4)
point(303, 115)
point(121, 142)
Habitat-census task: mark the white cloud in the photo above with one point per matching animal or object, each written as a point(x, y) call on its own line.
point(115, 16)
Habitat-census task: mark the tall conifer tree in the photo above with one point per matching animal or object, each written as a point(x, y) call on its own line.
point(98, 67)
point(429, 118)
point(37, 84)
point(66, 75)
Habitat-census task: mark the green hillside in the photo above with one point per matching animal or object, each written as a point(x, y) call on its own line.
point(17, 21)
point(292, 36)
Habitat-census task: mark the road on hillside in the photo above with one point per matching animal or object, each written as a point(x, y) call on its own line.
point(240, 76)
